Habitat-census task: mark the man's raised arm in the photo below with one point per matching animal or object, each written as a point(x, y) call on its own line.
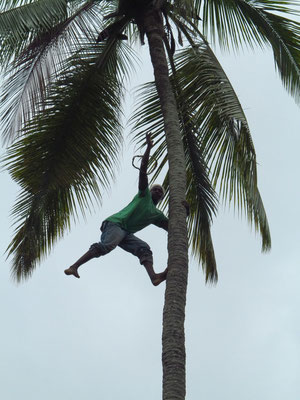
point(143, 178)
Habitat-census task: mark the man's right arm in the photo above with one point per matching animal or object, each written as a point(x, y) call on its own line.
point(143, 178)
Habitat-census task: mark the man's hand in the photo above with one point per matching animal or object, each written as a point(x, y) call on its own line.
point(143, 179)
point(149, 141)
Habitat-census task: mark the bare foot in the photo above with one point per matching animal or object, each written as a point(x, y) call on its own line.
point(72, 271)
point(159, 278)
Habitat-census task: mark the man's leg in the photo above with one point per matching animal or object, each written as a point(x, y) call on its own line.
point(141, 249)
point(73, 270)
point(111, 236)
point(156, 279)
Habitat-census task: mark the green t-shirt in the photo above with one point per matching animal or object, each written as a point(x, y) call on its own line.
point(138, 214)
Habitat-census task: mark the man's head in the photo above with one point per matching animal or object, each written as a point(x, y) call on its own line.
point(157, 193)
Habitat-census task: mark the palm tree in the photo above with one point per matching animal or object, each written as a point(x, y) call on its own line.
point(64, 66)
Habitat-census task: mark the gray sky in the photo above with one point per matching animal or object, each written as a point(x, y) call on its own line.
point(100, 336)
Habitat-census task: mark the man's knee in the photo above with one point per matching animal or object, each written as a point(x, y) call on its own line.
point(94, 249)
point(145, 255)
point(98, 249)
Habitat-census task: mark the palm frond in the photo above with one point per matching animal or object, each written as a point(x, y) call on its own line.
point(223, 132)
point(203, 205)
point(68, 152)
point(147, 116)
point(27, 80)
point(19, 24)
point(200, 193)
point(214, 114)
point(8, 4)
point(227, 23)
point(187, 10)
point(185, 18)
point(283, 34)
point(259, 22)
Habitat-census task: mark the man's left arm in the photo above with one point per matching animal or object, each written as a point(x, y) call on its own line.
point(164, 224)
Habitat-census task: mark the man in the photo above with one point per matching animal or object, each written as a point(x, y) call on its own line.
point(119, 229)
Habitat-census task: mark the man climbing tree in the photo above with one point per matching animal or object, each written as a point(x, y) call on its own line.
point(119, 229)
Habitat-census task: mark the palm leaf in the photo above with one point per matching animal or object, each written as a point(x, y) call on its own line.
point(200, 193)
point(212, 109)
point(202, 200)
point(27, 80)
point(18, 25)
point(223, 132)
point(67, 153)
point(258, 22)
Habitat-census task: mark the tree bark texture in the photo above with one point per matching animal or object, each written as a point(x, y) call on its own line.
point(173, 338)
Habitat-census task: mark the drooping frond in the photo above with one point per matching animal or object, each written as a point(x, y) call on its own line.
point(223, 132)
point(147, 117)
point(27, 79)
point(185, 17)
point(259, 22)
point(213, 113)
point(200, 193)
point(8, 4)
point(203, 205)
point(68, 152)
point(21, 22)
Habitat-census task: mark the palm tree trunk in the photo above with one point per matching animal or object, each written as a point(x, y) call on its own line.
point(173, 339)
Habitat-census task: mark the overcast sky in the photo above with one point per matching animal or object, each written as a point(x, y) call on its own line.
point(100, 337)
